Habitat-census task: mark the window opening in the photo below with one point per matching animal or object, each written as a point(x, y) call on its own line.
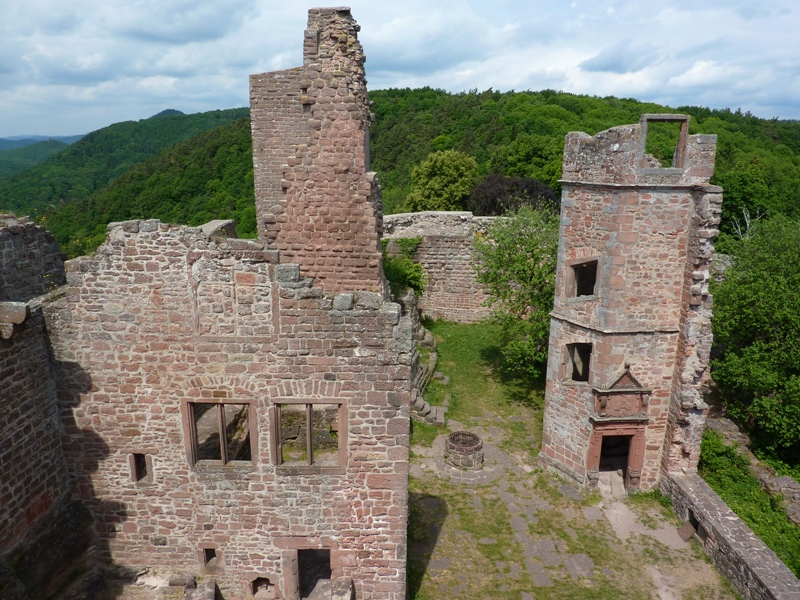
point(665, 137)
point(221, 431)
point(262, 589)
point(210, 557)
point(309, 434)
point(314, 573)
point(140, 471)
point(585, 275)
point(579, 357)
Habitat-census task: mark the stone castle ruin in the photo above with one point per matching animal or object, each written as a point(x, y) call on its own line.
point(225, 417)
point(194, 404)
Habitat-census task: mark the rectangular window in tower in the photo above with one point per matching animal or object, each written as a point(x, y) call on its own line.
point(584, 279)
point(579, 356)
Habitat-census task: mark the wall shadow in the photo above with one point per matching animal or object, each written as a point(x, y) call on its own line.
point(85, 451)
point(426, 517)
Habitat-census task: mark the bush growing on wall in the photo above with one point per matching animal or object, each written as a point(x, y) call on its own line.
point(442, 181)
point(400, 269)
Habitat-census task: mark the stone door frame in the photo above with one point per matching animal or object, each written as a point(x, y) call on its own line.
point(635, 429)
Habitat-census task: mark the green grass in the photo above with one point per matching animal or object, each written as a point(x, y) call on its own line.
point(727, 471)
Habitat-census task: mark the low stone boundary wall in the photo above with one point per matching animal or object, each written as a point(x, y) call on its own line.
point(753, 569)
point(445, 252)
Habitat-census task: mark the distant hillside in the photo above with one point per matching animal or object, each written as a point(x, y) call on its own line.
point(99, 157)
point(20, 141)
point(19, 159)
point(168, 113)
point(209, 176)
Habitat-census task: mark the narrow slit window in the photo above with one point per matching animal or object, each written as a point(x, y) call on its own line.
point(209, 557)
point(140, 469)
point(579, 361)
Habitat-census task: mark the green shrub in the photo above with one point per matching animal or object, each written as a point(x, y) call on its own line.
point(401, 271)
point(728, 473)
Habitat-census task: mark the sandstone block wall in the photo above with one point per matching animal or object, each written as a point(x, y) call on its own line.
point(755, 572)
point(44, 531)
point(164, 317)
point(452, 293)
point(649, 230)
point(32, 263)
point(316, 200)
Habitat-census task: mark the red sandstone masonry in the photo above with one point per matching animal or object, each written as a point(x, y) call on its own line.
point(223, 320)
point(445, 252)
point(316, 200)
point(31, 263)
point(651, 231)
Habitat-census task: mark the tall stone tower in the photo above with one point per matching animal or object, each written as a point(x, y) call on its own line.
point(316, 200)
point(630, 329)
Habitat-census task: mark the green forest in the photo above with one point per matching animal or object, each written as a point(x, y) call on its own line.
point(90, 163)
point(18, 159)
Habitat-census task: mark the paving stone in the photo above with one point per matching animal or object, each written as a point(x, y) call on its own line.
point(592, 513)
point(579, 565)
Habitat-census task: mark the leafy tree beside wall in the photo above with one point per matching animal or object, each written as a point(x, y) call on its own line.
point(757, 334)
point(516, 261)
point(442, 181)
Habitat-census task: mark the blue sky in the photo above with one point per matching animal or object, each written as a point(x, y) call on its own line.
point(69, 67)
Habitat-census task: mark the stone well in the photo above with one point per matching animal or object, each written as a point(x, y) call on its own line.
point(464, 450)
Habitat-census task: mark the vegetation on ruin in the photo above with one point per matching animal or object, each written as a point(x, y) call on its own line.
point(757, 336)
point(400, 269)
point(19, 159)
point(727, 471)
point(94, 160)
point(516, 261)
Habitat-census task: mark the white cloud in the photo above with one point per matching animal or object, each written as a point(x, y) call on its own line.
point(71, 67)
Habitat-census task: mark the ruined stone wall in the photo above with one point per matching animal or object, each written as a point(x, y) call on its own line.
point(44, 531)
point(31, 260)
point(163, 317)
point(316, 200)
point(445, 252)
point(755, 572)
point(649, 229)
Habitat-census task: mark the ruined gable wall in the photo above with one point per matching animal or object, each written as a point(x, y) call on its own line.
point(162, 316)
point(650, 229)
point(31, 260)
point(316, 200)
point(445, 252)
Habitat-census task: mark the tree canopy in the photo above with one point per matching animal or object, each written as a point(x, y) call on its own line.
point(442, 181)
point(516, 261)
point(757, 335)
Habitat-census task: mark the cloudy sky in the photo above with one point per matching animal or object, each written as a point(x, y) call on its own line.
point(73, 66)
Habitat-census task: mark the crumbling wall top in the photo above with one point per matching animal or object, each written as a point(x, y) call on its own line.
point(617, 156)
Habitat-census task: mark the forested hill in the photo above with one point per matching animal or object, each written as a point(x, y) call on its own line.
point(99, 157)
point(522, 134)
point(19, 159)
point(207, 177)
